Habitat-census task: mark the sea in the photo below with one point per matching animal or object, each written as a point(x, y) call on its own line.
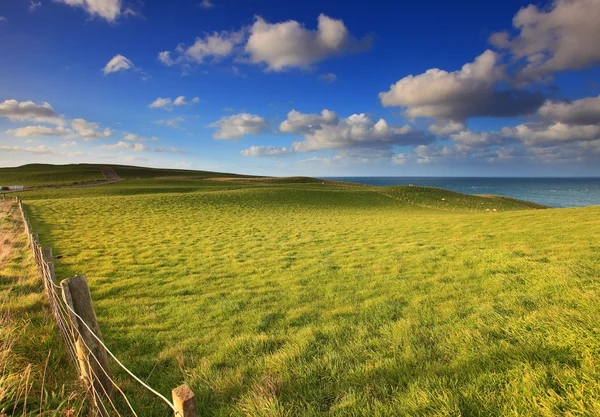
point(553, 192)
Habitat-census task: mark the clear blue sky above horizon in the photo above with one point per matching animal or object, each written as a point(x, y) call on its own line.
point(323, 88)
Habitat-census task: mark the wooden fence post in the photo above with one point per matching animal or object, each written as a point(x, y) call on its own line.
point(184, 402)
point(49, 259)
point(94, 369)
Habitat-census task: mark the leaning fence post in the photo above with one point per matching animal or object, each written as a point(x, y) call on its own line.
point(93, 361)
point(184, 402)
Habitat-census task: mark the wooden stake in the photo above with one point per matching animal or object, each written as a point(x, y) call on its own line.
point(76, 294)
point(49, 259)
point(184, 402)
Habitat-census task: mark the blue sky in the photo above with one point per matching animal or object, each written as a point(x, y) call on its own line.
point(318, 88)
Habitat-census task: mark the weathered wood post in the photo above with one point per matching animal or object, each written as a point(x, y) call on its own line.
point(93, 362)
point(49, 259)
point(184, 402)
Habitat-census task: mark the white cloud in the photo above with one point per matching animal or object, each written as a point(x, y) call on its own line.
point(40, 150)
point(303, 123)
point(33, 5)
point(470, 139)
point(446, 127)
point(136, 138)
point(3, 19)
point(80, 128)
point(217, 45)
point(563, 37)
point(585, 111)
point(238, 125)
point(118, 63)
point(260, 151)
point(28, 111)
point(426, 154)
point(328, 131)
point(328, 78)
point(357, 156)
point(290, 45)
point(88, 130)
point(460, 94)
point(106, 9)
point(399, 159)
point(168, 104)
point(206, 4)
point(535, 134)
point(39, 131)
point(136, 147)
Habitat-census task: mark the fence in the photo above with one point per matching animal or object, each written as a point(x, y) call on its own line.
point(71, 305)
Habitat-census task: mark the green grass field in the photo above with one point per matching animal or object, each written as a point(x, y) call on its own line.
point(44, 175)
point(276, 298)
point(35, 376)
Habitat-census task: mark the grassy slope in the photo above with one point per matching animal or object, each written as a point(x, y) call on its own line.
point(133, 172)
point(40, 174)
point(34, 367)
point(312, 299)
point(47, 175)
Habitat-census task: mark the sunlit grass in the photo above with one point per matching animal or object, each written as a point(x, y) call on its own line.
point(319, 299)
point(36, 378)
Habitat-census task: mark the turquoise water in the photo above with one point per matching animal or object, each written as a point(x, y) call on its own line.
point(554, 192)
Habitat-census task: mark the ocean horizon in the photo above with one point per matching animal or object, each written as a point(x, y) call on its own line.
point(553, 192)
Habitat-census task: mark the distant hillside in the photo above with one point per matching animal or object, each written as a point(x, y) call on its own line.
point(132, 172)
point(40, 175)
point(43, 175)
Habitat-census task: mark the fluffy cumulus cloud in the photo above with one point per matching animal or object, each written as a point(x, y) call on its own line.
point(537, 134)
point(297, 122)
point(328, 131)
point(215, 46)
point(278, 46)
point(562, 37)
point(239, 125)
point(116, 64)
point(260, 151)
point(105, 9)
point(39, 131)
point(169, 104)
point(79, 128)
point(291, 45)
point(27, 111)
point(458, 95)
point(585, 111)
point(446, 127)
point(89, 130)
point(561, 123)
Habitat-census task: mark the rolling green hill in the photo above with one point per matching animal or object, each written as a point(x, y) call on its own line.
point(274, 297)
point(44, 175)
